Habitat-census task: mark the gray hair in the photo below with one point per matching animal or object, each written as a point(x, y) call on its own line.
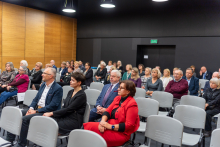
point(53, 72)
point(24, 62)
point(180, 71)
point(103, 63)
point(148, 69)
point(11, 65)
point(25, 69)
point(217, 73)
point(215, 81)
point(117, 72)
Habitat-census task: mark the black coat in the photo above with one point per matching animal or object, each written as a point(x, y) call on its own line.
point(89, 77)
point(212, 97)
point(36, 78)
point(101, 74)
point(208, 75)
point(70, 117)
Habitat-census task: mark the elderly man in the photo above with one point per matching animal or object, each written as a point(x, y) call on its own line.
point(48, 99)
point(204, 74)
point(106, 97)
point(193, 82)
point(178, 87)
point(52, 62)
point(81, 65)
point(207, 84)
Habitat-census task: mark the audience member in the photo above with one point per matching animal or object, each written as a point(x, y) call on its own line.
point(135, 77)
point(178, 87)
point(141, 70)
point(109, 92)
point(107, 77)
point(81, 65)
point(100, 73)
point(18, 85)
point(67, 64)
point(7, 76)
point(204, 74)
point(36, 74)
point(88, 74)
point(63, 70)
point(65, 80)
point(145, 77)
point(193, 82)
point(174, 69)
point(72, 63)
point(48, 99)
point(109, 65)
point(119, 66)
point(194, 70)
point(24, 63)
point(212, 106)
point(154, 83)
point(158, 67)
point(100, 64)
point(76, 67)
point(120, 119)
point(115, 64)
point(166, 78)
point(70, 117)
point(52, 62)
point(207, 83)
point(127, 74)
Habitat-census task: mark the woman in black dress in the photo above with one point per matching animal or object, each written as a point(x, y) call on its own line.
point(70, 117)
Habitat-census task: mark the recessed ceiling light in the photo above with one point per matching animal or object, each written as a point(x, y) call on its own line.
point(107, 4)
point(159, 0)
point(68, 10)
point(68, 6)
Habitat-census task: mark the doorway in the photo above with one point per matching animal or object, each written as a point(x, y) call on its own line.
point(156, 55)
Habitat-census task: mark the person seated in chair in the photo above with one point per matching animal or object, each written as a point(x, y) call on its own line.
point(120, 119)
point(48, 99)
point(63, 69)
point(107, 77)
point(135, 77)
point(36, 74)
point(212, 106)
point(70, 116)
point(178, 87)
point(207, 83)
point(100, 73)
point(67, 77)
point(193, 82)
point(52, 62)
point(109, 92)
point(204, 74)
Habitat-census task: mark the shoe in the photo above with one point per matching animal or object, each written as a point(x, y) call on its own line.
point(207, 133)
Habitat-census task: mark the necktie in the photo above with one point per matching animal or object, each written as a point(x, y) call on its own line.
point(204, 76)
point(106, 95)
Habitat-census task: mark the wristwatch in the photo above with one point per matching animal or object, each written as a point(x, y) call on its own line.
point(113, 127)
point(37, 111)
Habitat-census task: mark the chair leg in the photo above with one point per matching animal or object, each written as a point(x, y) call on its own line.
point(162, 145)
point(134, 136)
point(66, 139)
point(61, 141)
point(27, 142)
point(203, 142)
point(4, 133)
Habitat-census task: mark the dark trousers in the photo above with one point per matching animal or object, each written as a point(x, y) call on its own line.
point(93, 115)
point(24, 129)
point(2, 89)
point(209, 115)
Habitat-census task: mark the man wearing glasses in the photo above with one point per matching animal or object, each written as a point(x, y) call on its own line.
point(48, 99)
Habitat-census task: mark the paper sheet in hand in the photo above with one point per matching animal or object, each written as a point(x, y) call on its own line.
point(20, 97)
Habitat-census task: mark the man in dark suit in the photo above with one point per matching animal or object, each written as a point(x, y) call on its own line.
point(48, 99)
point(193, 82)
point(207, 84)
point(204, 74)
point(52, 62)
point(106, 97)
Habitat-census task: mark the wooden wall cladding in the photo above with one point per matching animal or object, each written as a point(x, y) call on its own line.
point(35, 36)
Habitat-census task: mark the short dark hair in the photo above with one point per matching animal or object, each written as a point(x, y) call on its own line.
point(190, 69)
point(141, 66)
point(88, 64)
point(130, 86)
point(79, 77)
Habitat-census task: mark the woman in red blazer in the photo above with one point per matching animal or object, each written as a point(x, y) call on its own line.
point(120, 119)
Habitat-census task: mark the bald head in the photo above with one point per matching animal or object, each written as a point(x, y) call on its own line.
point(215, 75)
point(203, 69)
point(52, 62)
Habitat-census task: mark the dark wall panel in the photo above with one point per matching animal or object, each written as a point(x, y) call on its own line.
point(85, 50)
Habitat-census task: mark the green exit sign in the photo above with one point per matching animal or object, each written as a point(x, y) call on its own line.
point(153, 41)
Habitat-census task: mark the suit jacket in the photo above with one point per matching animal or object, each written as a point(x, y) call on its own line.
point(110, 98)
point(53, 99)
point(55, 67)
point(65, 70)
point(193, 85)
point(208, 75)
point(207, 85)
point(89, 77)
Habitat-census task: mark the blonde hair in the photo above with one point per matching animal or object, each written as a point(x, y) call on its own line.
point(215, 81)
point(148, 69)
point(64, 62)
point(175, 68)
point(158, 72)
point(130, 66)
point(76, 62)
point(41, 65)
point(137, 73)
point(48, 65)
point(113, 68)
point(167, 71)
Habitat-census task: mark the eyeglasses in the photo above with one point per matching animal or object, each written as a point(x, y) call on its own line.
point(21, 69)
point(36, 65)
point(46, 73)
point(120, 88)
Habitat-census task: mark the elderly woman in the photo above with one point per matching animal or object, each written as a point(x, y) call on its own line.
point(108, 75)
point(88, 73)
point(70, 117)
point(76, 67)
point(135, 77)
point(18, 85)
point(127, 74)
point(63, 70)
point(212, 106)
point(7, 76)
point(119, 66)
point(109, 66)
point(65, 80)
point(100, 73)
point(35, 74)
point(24, 63)
point(145, 77)
point(166, 78)
point(141, 70)
point(154, 83)
point(120, 119)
